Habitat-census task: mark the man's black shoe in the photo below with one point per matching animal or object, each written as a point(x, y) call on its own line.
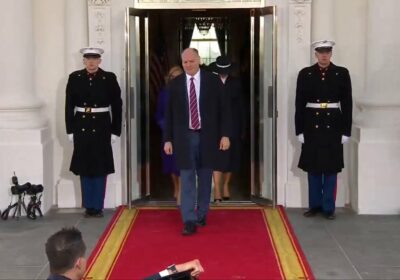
point(330, 216)
point(201, 222)
point(311, 212)
point(89, 212)
point(98, 214)
point(189, 228)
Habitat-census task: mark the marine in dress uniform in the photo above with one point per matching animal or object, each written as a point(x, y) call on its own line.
point(93, 113)
point(323, 121)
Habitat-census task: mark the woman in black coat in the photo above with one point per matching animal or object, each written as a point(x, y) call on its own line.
point(228, 161)
point(93, 112)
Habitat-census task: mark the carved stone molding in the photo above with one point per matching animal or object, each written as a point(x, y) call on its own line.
point(99, 2)
point(99, 17)
point(98, 21)
point(299, 13)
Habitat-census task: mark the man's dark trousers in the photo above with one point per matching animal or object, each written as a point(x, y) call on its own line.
point(321, 191)
point(189, 195)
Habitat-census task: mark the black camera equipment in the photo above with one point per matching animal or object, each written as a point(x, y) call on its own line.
point(34, 203)
point(21, 190)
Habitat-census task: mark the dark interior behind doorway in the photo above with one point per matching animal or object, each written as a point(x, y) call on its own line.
point(166, 40)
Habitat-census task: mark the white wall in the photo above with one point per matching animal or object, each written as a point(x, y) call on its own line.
point(48, 18)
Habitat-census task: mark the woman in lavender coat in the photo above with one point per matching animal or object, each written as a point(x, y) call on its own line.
point(169, 165)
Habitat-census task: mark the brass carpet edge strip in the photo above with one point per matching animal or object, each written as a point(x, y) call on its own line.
point(123, 243)
point(104, 261)
point(277, 257)
point(289, 233)
point(287, 253)
point(99, 250)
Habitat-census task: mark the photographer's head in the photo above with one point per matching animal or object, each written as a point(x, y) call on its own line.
point(65, 251)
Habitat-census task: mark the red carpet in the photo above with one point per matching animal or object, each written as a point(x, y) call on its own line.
point(235, 244)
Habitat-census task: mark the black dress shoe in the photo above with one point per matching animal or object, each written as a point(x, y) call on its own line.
point(98, 214)
point(216, 200)
point(226, 197)
point(311, 212)
point(330, 216)
point(89, 212)
point(189, 228)
point(201, 222)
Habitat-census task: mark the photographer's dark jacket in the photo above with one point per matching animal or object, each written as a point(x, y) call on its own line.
point(92, 155)
point(322, 151)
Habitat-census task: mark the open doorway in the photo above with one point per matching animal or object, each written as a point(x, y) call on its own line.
point(157, 39)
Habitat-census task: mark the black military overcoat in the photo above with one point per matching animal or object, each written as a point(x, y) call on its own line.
point(92, 155)
point(322, 151)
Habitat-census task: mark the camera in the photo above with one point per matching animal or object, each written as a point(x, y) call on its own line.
point(28, 188)
point(19, 189)
point(34, 203)
point(34, 189)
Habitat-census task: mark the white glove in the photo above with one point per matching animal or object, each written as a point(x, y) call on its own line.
point(345, 139)
point(114, 138)
point(300, 137)
point(71, 137)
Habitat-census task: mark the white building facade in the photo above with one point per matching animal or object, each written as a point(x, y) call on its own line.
point(40, 47)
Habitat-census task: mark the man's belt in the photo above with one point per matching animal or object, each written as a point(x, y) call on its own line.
point(92, 110)
point(323, 105)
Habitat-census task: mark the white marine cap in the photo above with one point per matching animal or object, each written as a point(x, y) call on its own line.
point(323, 44)
point(93, 52)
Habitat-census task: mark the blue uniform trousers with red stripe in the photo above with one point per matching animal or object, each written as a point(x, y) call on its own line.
point(321, 191)
point(93, 192)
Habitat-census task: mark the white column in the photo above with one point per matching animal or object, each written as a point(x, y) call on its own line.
point(19, 106)
point(381, 100)
point(25, 139)
point(298, 57)
point(378, 123)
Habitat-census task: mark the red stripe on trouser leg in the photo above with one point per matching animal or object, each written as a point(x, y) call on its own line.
point(335, 191)
point(105, 185)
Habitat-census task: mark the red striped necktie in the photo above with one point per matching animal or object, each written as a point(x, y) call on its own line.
point(194, 113)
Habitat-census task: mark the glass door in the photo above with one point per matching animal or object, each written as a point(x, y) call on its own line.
point(137, 83)
point(263, 105)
